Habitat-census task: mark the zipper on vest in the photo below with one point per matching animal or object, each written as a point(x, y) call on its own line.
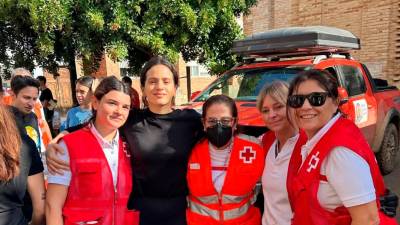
point(114, 203)
point(221, 211)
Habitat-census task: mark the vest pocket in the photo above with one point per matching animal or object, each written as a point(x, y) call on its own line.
point(131, 217)
point(74, 217)
point(89, 179)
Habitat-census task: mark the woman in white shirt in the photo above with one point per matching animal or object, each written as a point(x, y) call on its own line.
point(339, 180)
point(278, 143)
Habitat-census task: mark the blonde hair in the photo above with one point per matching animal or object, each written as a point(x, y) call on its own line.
point(278, 90)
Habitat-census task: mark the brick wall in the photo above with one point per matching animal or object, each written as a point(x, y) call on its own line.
point(60, 86)
point(375, 22)
point(107, 68)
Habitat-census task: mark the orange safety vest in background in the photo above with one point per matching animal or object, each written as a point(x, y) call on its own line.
point(234, 205)
point(44, 129)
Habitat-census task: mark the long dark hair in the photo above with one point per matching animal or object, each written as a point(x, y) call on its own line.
point(328, 82)
point(324, 79)
point(220, 99)
point(86, 81)
point(108, 84)
point(154, 61)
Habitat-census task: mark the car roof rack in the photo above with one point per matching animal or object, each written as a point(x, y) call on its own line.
point(297, 42)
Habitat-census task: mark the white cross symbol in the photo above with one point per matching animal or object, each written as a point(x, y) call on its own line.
point(247, 154)
point(313, 163)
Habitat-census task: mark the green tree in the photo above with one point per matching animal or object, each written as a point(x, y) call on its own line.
point(46, 32)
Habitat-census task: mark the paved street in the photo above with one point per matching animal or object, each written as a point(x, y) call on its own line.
point(393, 182)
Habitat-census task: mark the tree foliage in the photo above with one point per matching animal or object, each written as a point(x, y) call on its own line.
point(47, 32)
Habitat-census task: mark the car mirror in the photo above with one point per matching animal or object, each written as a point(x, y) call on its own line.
point(194, 95)
point(343, 95)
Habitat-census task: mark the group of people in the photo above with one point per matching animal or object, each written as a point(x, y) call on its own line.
point(161, 165)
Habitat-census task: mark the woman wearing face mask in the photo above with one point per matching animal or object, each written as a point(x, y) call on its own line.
point(223, 170)
point(160, 139)
point(278, 143)
point(339, 180)
point(97, 187)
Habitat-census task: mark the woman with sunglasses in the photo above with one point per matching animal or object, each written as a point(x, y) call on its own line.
point(279, 143)
point(223, 170)
point(338, 180)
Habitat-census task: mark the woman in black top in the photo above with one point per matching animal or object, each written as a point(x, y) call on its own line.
point(160, 139)
point(20, 169)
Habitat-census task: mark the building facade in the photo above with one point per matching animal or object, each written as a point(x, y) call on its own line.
point(375, 22)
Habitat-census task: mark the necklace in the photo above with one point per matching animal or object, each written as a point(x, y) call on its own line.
point(228, 150)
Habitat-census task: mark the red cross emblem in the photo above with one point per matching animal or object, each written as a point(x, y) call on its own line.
point(247, 154)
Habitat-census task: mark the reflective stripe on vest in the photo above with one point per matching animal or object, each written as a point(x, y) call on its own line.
point(203, 210)
point(228, 214)
point(233, 199)
point(226, 199)
point(210, 199)
point(238, 212)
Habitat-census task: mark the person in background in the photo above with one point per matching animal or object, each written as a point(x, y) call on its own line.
point(134, 94)
point(338, 180)
point(46, 98)
point(223, 170)
point(160, 139)
point(45, 134)
point(21, 170)
point(24, 93)
point(279, 143)
point(97, 187)
point(83, 112)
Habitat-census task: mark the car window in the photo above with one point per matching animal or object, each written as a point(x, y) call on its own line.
point(244, 85)
point(353, 80)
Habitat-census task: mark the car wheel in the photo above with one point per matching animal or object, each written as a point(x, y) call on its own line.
point(386, 157)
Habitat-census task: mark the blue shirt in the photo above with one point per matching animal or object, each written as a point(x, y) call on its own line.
point(76, 116)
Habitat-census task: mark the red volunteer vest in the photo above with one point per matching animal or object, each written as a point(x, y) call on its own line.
point(267, 141)
point(303, 185)
point(234, 205)
point(91, 196)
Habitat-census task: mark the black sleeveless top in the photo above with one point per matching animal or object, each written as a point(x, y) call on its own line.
point(160, 147)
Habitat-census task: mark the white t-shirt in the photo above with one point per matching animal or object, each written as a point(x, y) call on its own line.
point(110, 150)
point(349, 178)
point(219, 165)
point(276, 201)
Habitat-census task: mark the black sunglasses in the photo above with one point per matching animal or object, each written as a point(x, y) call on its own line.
point(314, 98)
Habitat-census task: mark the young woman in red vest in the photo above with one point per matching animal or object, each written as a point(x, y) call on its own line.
point(97, 187)
point(278, 143)
point(223, 170)
point(338, 181)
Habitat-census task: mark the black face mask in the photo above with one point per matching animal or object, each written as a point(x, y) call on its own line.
point(219, 135)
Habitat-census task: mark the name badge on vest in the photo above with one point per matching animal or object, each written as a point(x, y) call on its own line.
point(194, 166)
